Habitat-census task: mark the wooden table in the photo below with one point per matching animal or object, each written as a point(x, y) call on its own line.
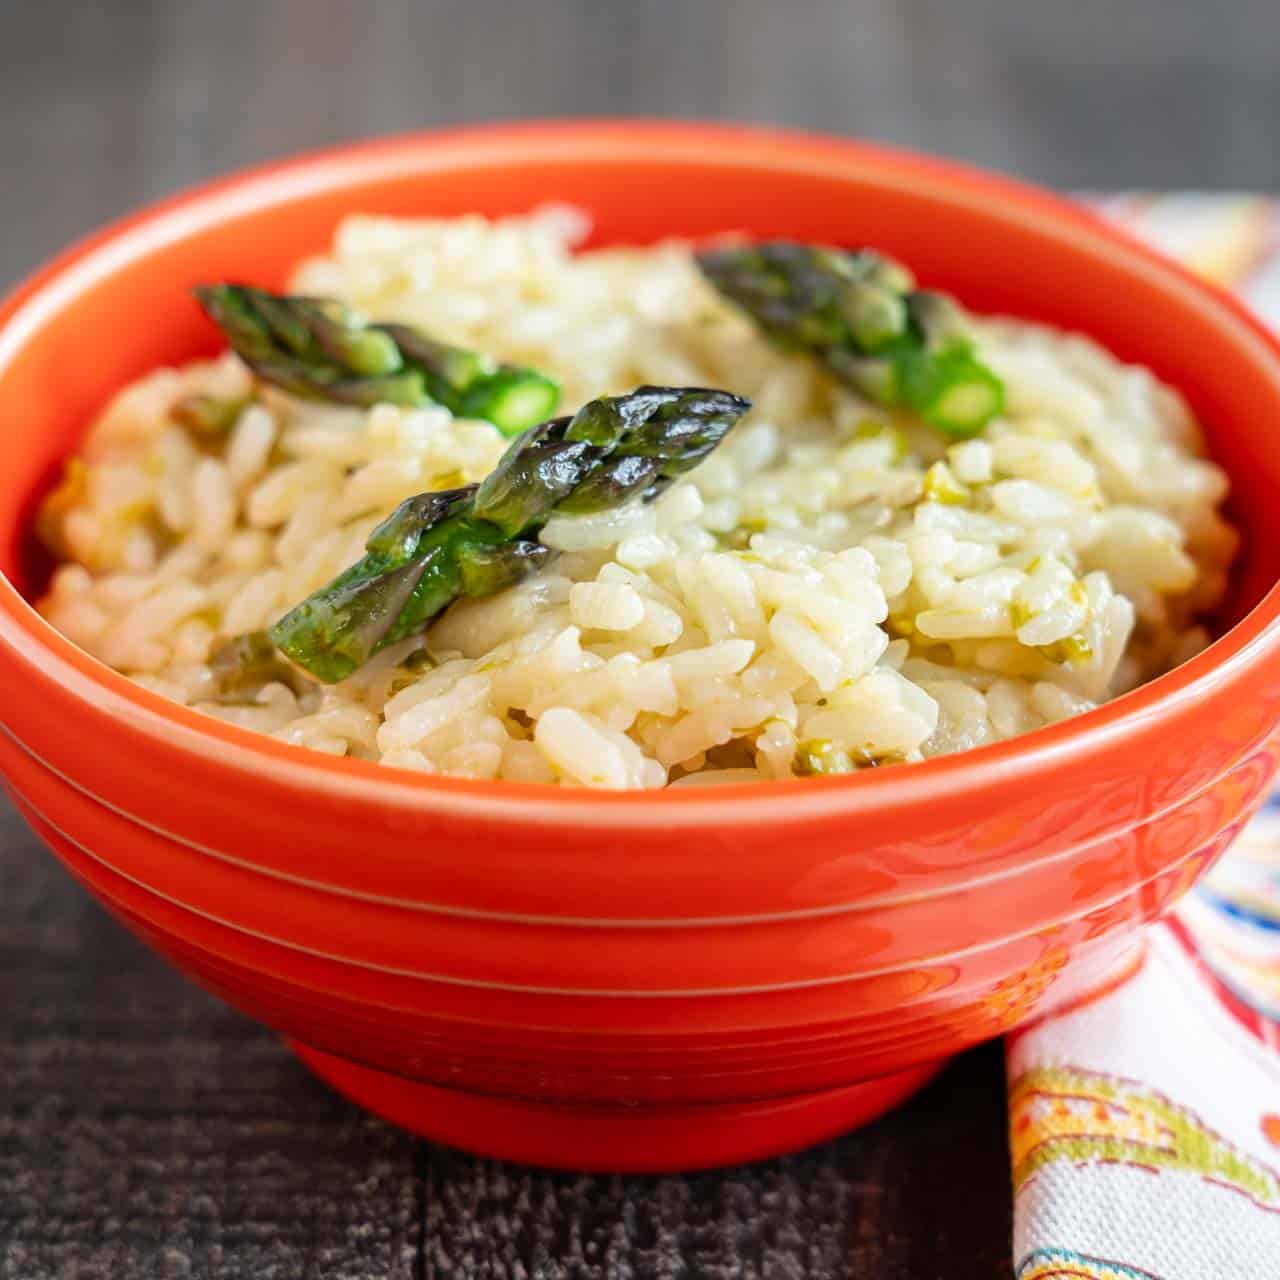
point(145, 1130)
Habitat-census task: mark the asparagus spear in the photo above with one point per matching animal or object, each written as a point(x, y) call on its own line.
point(476, 540)
point(861, 316)
point(319, 349)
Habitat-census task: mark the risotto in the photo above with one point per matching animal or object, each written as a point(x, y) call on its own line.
point(839, 585)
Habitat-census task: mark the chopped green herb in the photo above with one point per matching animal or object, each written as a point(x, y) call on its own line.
point(1071, 651)
point(1020, 613)
point(941, 485)
point(209, 416)
point(819, 756)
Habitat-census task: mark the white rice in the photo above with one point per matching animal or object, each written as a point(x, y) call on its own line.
point(837, 583)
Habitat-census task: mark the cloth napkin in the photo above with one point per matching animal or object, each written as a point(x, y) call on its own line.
point(1145, 1124)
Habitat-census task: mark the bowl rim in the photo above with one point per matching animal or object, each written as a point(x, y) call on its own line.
point(55, 286)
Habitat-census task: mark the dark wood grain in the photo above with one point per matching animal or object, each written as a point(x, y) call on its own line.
point(107, 105)
point(145, 1131)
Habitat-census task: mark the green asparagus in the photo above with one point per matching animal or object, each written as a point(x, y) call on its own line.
point(476, 540)
point(319, 349)
point(861, 315)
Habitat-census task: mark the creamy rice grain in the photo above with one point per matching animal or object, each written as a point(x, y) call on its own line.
point(838, 586)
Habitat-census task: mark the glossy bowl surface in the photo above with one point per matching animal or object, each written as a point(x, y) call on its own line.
point(623, 980)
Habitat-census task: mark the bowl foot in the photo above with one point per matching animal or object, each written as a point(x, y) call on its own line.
point(598, 1138)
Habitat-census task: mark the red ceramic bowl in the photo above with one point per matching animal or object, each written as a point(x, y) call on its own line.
point(636, 981)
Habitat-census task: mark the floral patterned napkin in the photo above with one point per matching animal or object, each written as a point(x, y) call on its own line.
point(1145, 1125)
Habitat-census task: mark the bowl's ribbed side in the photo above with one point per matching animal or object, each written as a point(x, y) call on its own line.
point(571, 1011)
point(510, 940)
